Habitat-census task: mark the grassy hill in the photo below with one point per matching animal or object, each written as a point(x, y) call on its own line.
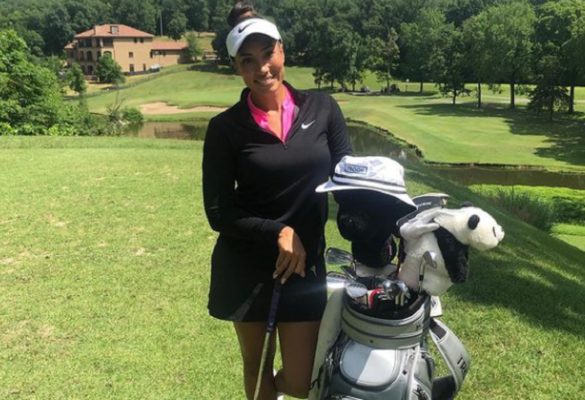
point(104, 269)
point(444, 133)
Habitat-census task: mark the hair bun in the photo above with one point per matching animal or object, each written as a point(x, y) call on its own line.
point(240, 11)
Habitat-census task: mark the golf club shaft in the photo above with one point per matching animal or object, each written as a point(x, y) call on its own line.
point(270, 324)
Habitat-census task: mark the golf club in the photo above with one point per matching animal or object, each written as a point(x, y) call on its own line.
point(270, 324)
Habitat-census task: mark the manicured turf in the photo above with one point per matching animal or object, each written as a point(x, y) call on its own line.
point(572, 234)
point(104, 269)
point(444, 133)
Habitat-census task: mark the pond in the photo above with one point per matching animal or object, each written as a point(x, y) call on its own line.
point(369, 141)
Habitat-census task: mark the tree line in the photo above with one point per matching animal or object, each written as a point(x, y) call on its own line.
point(449, 42)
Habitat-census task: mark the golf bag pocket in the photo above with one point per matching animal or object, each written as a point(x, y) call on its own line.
point(367, 373)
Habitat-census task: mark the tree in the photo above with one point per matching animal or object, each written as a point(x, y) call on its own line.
point(30, 96)
point(509, 32)
point(142, 17)
point(480, 55)
point(109, 71)
point(557, 31)
point(198, 15)
point(219, 9)
point(385, 57)
point(548, 94)
point(450, 70)
point(193, 49)
point(423, 41)
point(57, 32)
point(76, 80)
point(177, 25)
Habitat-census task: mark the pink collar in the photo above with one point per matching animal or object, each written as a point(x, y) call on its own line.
point(287, 116)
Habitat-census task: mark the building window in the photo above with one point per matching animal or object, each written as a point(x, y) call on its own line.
point(108, 41)
point(164, 53)
point(89, 56)
point(98, 55)
point(144, 67)
point(131, 54)
point(107, 53)
point(131, 68)
point(141, 40)
point(135, 40)
point(81, 56)
point(113, 29)
point(89, 70)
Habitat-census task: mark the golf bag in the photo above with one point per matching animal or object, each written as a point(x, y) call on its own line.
point(384, 354)
point(373, 338)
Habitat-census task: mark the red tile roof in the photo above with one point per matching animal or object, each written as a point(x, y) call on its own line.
point(106, 31)
point(168, 45)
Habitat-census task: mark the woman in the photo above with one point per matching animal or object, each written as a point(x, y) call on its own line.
point(262, 160)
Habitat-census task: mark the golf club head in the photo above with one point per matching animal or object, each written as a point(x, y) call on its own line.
point(336, 256)
point(337, 280)
point(350, 272)
point(394, 288)
point(356, 290)
point(430, 258)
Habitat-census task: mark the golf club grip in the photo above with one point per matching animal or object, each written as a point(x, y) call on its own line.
point(273, 306)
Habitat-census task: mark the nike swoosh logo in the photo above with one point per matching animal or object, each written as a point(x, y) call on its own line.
point(240, 30)
point(305, 126)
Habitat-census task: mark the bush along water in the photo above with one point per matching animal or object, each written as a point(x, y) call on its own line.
point(538, 206)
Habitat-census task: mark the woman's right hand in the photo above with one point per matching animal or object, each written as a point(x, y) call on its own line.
point(291, 255)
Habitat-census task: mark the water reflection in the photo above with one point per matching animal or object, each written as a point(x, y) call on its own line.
point(370, 141)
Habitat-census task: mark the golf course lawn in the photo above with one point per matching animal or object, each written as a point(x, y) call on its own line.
point(104, 269)
point(443, 132)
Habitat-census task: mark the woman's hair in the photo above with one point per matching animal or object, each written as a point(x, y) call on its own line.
point(241, 11)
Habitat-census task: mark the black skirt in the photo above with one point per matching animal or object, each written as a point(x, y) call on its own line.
point(241, 286)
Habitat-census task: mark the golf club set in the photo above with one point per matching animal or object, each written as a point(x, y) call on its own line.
point(384, 295)
point(372, 293)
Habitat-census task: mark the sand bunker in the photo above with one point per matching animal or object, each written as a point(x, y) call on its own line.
point(160, 107)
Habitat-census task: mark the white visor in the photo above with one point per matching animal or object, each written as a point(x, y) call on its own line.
point(248, 27)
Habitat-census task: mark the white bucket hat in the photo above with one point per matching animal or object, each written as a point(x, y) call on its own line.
point(247, 27)
point(380, 174)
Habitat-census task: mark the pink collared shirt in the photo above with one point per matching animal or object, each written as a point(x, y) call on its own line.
point(287, 115)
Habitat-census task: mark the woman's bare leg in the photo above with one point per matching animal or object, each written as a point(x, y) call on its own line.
point(251, 338)
point(297, 348)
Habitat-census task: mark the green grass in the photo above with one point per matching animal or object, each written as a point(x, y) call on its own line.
point(544, 207)
point(444, 133)
point(104, 270)
point(572, 234)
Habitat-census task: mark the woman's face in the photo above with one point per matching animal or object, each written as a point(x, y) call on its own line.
point(260, 62)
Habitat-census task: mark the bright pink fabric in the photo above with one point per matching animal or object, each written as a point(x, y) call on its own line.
point(287, 115)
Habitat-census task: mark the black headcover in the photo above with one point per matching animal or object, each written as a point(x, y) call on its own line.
point(368, 220)
point(455, 254)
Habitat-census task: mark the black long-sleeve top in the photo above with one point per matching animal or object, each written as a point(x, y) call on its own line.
point(254, 185)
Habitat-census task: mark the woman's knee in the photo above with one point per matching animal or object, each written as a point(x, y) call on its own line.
point(293, 383)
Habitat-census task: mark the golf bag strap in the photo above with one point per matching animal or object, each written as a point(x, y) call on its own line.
point(328, 333)
point(455, 355)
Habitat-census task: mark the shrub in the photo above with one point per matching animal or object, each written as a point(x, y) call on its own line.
point(535, 211)
point(132, 116)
